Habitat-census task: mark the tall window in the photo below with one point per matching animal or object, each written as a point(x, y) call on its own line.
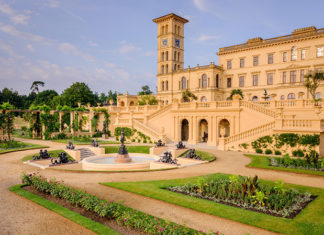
point(255, 60)
point(162, 86)
point(203, 99)
point(255, 79)
point(175, 29)
point(229, 82)
point(204, 81)
point(293, 53)
point(320, 51)
point(293, 76)
point(270, 59)
point(162, 57)
point(183, 83)
point(217, 80)
point(167, 55)
point(284, 77)
point(241, 78)
point(167, 68)
point(282, 97)
point(302, 74)
point(175, 67)
point(162, 68)
point(303, 54)
point(162, 30)
point(166, 29)
point(166, 85)
point(291, 96)
point(175, 56)
point(229, 64)
point(284, 57)
point(270, 78)
point(241, 63)
point(254, 98)
point(178, 56)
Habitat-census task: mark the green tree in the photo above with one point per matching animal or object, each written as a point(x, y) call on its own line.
point(147, 99)
point(145, 91)
point(312, 82)
point(236, 92)
point(112, 96)
point(35, 86)
point(78, 92)
point(6, 119)
point(188, 96)
point(45, 97)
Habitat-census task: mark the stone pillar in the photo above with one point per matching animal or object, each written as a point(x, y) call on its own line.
point(178, 129)
point(71, 121)
point(190, 130)
point(195, 131)
point(79, 118)
point(60, 121)
point(321, 146)
point(43, 126)
point(91, 115)
point(210, 131)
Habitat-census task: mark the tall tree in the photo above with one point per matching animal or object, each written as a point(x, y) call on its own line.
point(45, 97)
point(78, 92)
point(312, 82)
point(112, 96)
point(145, 91)
point(35, 86)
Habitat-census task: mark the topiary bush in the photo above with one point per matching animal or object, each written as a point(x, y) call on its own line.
point(298, 153)
point(277, 152)
point(268, 151)
point(258, 151)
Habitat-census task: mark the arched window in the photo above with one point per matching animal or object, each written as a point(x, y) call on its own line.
point(167, 55)
point(167, 68)
point(183, 83)
point(282, 97)
point(179, 30)
point(162, 56)
point(203, 99)
point(293, 53)
point(162, 86)
point(162, 30)
point(162, 102)
point(217, 81)
point(162, 69)
point(178, 66)
point(175, 67)
point(204, 81)
point(166, 102)
point(166, 29)
point(291, 96)
point(166, 85)
point(254, 98)
point(175, 56)
point(175, 29)
point(178, 56)
point(318, 95)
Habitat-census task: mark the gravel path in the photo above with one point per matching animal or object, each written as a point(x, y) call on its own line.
point(28, 216)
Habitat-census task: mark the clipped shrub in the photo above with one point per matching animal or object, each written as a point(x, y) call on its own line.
point(298, 153)
point(61, 136)
point(258, 151)
point(277, 152)
point(138, 140)
point(268, 151)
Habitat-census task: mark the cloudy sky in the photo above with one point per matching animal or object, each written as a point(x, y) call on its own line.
point(111, 44)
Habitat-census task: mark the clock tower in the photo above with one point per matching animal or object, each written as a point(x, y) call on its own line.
point(170, 43)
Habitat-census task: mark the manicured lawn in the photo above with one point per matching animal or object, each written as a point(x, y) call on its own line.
point(204, 155)
point(131, 149)
point(308, 221)
point(26, 147)
point(71, 215)
point(55, 153)
point(85, 142)
point(259, 161)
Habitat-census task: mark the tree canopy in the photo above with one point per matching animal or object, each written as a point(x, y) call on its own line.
point(46, 97)
point(145, 91)
point(78, 92)
point(35, 86)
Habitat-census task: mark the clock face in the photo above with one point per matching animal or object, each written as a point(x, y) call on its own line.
point(164, 42)
point(177, 43)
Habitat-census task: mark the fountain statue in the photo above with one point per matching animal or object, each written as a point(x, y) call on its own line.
point(122, 156)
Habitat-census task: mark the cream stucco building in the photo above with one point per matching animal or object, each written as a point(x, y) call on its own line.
point(277, 65)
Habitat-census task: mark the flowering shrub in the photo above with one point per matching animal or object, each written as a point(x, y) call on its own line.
point(124, 215)
point(310, 163)
point(248, 193)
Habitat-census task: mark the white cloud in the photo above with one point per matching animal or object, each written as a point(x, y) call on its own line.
point(53, 3)
point(201, 5)
point(129, 48)
point(15, 17)
point(71, 49)
point(30, 48)
point(203, 38)
point(149, 53)
point(93, 44)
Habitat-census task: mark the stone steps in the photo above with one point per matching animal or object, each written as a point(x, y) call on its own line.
point(85, 152)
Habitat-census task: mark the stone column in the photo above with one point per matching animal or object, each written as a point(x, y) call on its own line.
point(43, 126)
point(71, 122)
point(178, 129)
point(60, 121)
point(91, 115)
point(195, 131)
point(210, 131)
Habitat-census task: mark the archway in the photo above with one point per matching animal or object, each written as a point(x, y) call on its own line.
point(203, 130)
point(224, 128)
point(184, 130)
point(131, 103)
point(122, 103)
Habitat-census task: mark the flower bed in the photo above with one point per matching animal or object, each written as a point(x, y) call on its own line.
point(123, 215)
point(248, 193)
point(286, 161)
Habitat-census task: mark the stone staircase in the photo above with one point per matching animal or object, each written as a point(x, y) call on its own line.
point(258, 108)
point(85, 152)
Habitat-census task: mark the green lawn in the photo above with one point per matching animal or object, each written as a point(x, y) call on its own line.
point(309, 221)
point(55, 153)
point(259, 161)
point(71, 215)
point(85, 142)
point(204, 155)
point(25, 147)
point(131, 149)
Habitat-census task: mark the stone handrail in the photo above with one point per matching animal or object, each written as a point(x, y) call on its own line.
point(159, 111)
point(258, 108)
point(146, 129)
point(309, 124)
point(254, 132)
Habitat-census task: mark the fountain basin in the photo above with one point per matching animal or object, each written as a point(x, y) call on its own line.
point(106, 162)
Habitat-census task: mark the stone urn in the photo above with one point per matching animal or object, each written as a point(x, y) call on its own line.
point(222, 131)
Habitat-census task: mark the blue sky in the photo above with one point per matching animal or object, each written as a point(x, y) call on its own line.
point(111, 44)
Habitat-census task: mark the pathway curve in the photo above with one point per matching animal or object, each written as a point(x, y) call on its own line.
point(227, 162)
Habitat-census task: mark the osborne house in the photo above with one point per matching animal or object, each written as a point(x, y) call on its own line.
point(269, 72)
